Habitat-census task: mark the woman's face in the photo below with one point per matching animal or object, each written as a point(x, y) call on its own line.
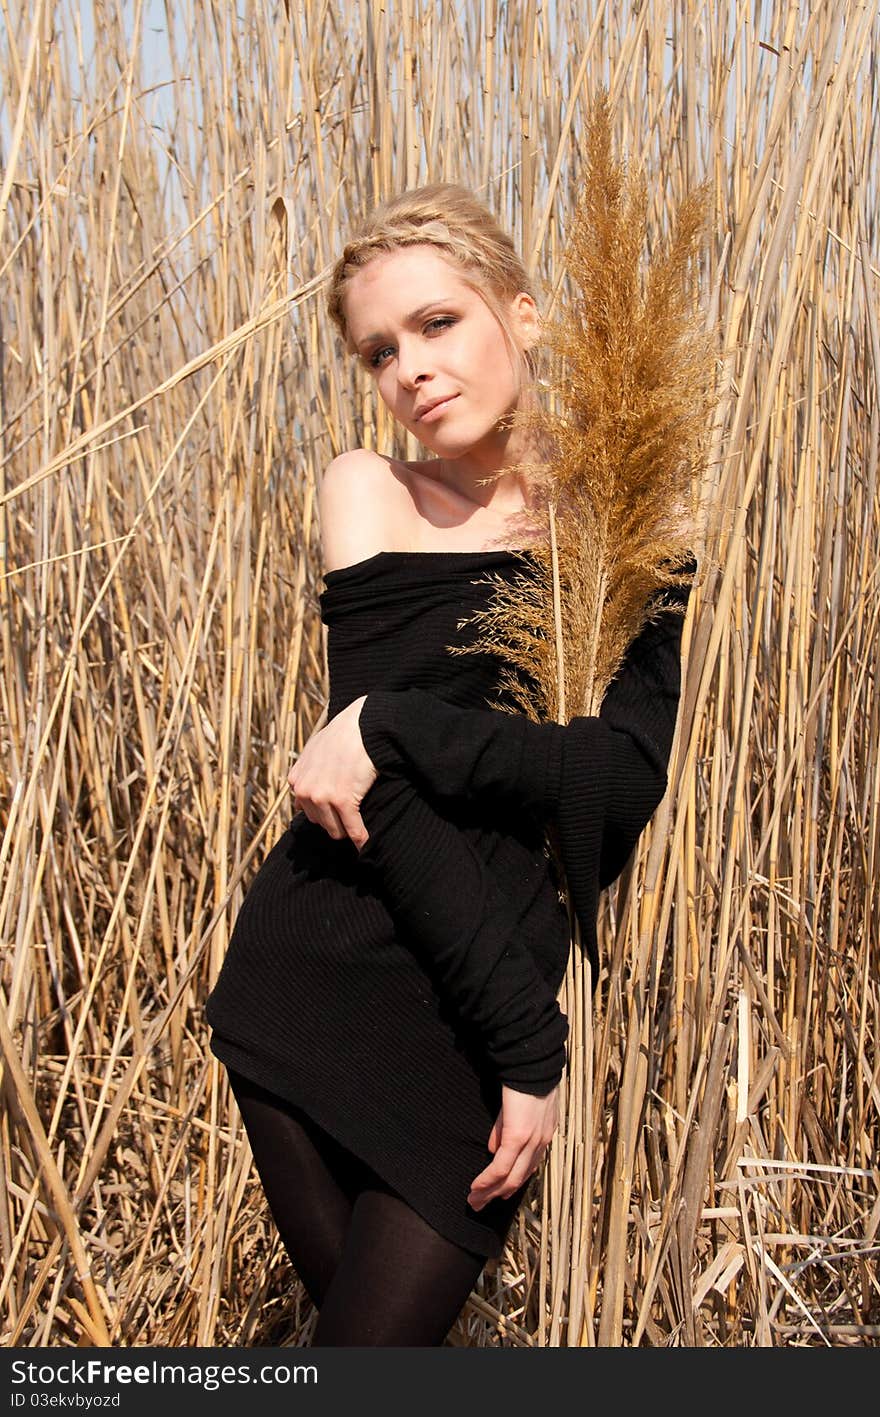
point(427, 336)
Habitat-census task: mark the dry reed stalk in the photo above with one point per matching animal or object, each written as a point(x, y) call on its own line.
point(162, 431)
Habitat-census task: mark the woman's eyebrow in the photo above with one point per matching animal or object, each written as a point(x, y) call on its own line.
point(412, 318)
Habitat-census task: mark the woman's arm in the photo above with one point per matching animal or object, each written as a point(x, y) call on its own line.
point(598, 778)
point(443, 896)
point(484, 753)
point(447, 899)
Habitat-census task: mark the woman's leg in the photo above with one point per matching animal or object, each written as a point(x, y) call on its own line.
point(399, 1283)
point(309, 1180)
point(380, 1275)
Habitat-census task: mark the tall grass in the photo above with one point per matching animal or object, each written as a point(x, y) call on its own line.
point(170, 392)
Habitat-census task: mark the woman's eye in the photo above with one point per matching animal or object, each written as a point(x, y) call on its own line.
point(378, 355)
point(440, 322)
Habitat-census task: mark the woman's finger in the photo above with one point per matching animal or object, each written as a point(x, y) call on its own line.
point(323, 815)
point(497, 1174)
point(353, 825)
point(519, 1173)
point(495, 1134)
point(332, 822)
point(506, 1173)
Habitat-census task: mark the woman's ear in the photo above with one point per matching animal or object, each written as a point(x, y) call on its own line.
point(526, 319)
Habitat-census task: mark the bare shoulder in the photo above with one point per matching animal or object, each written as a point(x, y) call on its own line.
point(364, 504)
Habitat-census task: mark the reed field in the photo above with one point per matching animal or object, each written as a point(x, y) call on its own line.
point(170, 392)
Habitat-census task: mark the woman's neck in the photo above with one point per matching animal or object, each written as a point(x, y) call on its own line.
point(511, 515)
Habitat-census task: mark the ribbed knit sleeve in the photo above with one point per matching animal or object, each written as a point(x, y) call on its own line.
point(446, 899)
point(508, 758)
point(464, 752)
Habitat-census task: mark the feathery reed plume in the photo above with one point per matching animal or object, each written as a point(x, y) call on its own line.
point(625, 427)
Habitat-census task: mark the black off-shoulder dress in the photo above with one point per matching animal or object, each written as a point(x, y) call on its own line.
point(390, 992)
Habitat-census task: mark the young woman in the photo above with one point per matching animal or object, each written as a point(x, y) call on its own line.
point(387, 1008)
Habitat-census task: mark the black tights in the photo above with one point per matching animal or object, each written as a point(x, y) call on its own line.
point(378, 1273)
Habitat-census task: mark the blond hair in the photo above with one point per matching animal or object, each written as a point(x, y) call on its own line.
point(456, 224)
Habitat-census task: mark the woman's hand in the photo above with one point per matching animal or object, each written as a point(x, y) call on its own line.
point(522, 1132)
point(333, 774)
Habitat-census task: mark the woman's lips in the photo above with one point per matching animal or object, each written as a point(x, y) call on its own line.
point(434, 413)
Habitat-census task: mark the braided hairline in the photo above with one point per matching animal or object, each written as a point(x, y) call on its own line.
point(359, 252)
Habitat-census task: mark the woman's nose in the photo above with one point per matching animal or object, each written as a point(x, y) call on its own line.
point(412, 364)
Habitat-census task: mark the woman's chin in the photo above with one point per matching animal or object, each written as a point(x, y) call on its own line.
point(449, 445)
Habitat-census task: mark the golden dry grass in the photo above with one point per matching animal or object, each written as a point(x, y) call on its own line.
point(169, 393)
